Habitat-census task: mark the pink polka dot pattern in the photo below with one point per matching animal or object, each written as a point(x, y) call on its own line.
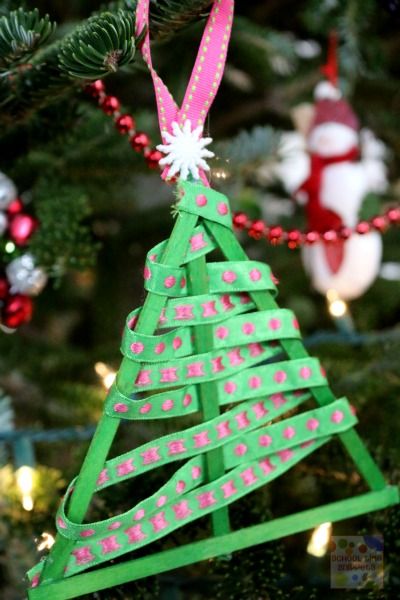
point(115, 525)
point(180, 487)
point(161, 501)
point(176, 343)
point(312, 424)
point(120, 407)
point(289, 433)
point(230, 387)
point(139, 515)
point(248, 328)
point(305, 372)
point(280, 377)
point(182, 282)
point(196, 472)
point(229, 276)
point(240, 449)
point(146, 408)
point(168, 405)
point(255, 382)
point(296, 324)
point(169, 281)
point(147, 273)
point(265, 440)
point(87, 533)
point(137, 347)
point(159, 349)
point(201, 200)
point(274, 324)
point(222, 333)
point(255, 275)
point(187, 400)
point(222, 208)
point(337, 416)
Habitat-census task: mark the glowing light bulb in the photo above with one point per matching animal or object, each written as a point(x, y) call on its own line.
point(24, 477)
point(46, 541)
point(336, 306)
point(10, 247)
point(319, 541)
point(106, 374)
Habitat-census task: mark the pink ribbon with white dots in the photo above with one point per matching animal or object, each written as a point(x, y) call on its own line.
point(207, 71)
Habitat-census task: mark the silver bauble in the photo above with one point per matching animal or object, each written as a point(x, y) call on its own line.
point(3, 223)
point(25, 277)
point(8, 191)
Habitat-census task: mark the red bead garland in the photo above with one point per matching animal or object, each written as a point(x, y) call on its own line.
point(256, 229)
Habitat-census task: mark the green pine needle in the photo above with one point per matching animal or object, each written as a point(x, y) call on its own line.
point(21, 34)
point(101, 46)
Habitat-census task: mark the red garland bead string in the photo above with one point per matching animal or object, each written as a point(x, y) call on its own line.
point(256, 229)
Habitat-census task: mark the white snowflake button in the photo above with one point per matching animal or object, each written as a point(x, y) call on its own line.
point(185, 151)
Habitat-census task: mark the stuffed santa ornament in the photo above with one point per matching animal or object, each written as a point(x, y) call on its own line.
point(334, 183)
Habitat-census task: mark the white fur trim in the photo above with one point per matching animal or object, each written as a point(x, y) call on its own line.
point(327, 91)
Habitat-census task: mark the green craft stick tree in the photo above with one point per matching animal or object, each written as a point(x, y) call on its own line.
point(209, 339)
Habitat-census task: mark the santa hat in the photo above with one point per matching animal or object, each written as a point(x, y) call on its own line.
point(330, 107)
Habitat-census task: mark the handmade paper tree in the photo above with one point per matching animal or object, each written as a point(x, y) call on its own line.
point(209, 339)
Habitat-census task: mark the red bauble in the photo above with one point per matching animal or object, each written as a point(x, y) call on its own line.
point(330, 236)
point(17, 310)
point(125, 123)
point(140, 141)
point(345, 233)
point(294, 239)
point(275, 235)
point(21, 229)
point(15, 207)
point(4, 288)
point(153, 158)
point(312, 237)
point(257, 229)
point(393, 214)
point(240, 220)
point(110, 105)
point(363, 227)
point(95, 88)
point(379, 223)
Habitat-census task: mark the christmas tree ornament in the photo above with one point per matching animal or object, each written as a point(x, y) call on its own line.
point(21, 228)
point(20, 276)
point(210, 341)
point(332, 182)
point(8, 191)
point(17, 310)
point(25, 277)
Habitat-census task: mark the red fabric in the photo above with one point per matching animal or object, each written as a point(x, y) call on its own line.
point(335, 111)
point(323, 219)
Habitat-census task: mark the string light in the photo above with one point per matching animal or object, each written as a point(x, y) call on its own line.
point(336, 306)
point(106, 374)
point(319, 541)
point(46, 541)
point(25, 477)
point(10, 247)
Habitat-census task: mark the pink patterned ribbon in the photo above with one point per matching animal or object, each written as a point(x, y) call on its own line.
point(207, 71)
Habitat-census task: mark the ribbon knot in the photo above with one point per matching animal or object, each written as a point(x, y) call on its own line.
point(182, 128)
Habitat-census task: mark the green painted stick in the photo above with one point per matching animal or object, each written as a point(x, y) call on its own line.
point(209, 548)
point(232, 250)
point(198, 284)
point(107, 428)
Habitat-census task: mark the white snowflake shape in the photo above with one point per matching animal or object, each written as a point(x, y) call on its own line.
point(185, 151)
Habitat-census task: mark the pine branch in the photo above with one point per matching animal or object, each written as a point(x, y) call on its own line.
point(94, 49)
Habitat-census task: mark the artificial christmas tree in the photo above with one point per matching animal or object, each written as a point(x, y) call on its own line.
point(226, 344)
